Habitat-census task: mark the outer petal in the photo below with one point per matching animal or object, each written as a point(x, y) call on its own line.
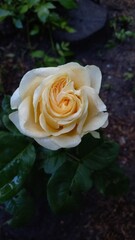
point(95, 77)
point(67, 140)
point(105, 124)
point(96, 122)
point(26, 120)
point(96, 117)
point(63, 141)
point(15, 120)
point(77, 73)
point(47, 143)
point(94, 99)
point(95, 134)
point(15, 99)
point(33, 78)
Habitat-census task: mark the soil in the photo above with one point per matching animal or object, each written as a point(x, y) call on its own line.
point(100, 218)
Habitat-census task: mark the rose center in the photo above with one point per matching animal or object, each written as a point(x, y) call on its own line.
point(64, 100)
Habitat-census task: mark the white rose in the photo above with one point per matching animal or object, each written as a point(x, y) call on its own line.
point(58, 105)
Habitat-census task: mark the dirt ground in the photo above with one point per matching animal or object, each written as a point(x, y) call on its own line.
point(100, 218)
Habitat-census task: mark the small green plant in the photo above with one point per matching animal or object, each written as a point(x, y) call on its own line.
point(107, 86)
point(36, 13)
point(122, 35)
point(128, 75)
point(122, 21)
point(61, 53)
point(121, 30)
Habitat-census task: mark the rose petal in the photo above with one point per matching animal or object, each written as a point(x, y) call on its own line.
point(96, 122)
point(27, 121)
point(94, 99)
point(81, 122)
point(55, 131)
point(15, 120)
point(96, 117)
point(15, 99)
point(95, 134)
point(84, 113)
point(33, 78)
point(48, 124)
point(95, 77)
point(47, 143)
point(76, 73)
point(105, 124)
point(67, 140)
point(39, 94)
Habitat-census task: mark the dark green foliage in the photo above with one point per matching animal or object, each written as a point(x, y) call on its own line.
point(63, 176)
point(66, 185)
point(101, 156)
point(61, 54)
point(52, 160)
point(21, 207)
point(17, 159)
point(122, 31)
point(111, 181)
point(35, 13)
point(92, 163)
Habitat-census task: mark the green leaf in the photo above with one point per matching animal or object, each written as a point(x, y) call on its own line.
point(37, 54)
point(17, 157)
point(66, 185)
point(49, 5)
point(9, 1)
point(6, 104)
point(82, 179)
point(18, 23)
point(10, 146)
point(9, 125)
point(36, 182)
point(2, 127)
point(87, 145)
point(68, 29)
point(34, 31)
point(22, 207)
point(32, 3)
point(42, 12)
point(101, 156)
point(4, 13)
point(53, 160)
point(111, 181)
point(64, 25)
point(23, 9)
point(68, 4)
point(4, 116)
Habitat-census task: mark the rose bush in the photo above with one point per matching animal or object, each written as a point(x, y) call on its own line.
point(57, 106)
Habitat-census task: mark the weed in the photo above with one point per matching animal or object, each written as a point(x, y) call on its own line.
point(36, 13)
point(107, 86)
point(62, 52)
point(128, 76)
point(121, 32)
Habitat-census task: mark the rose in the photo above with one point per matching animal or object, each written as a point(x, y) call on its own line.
point(57, 106)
